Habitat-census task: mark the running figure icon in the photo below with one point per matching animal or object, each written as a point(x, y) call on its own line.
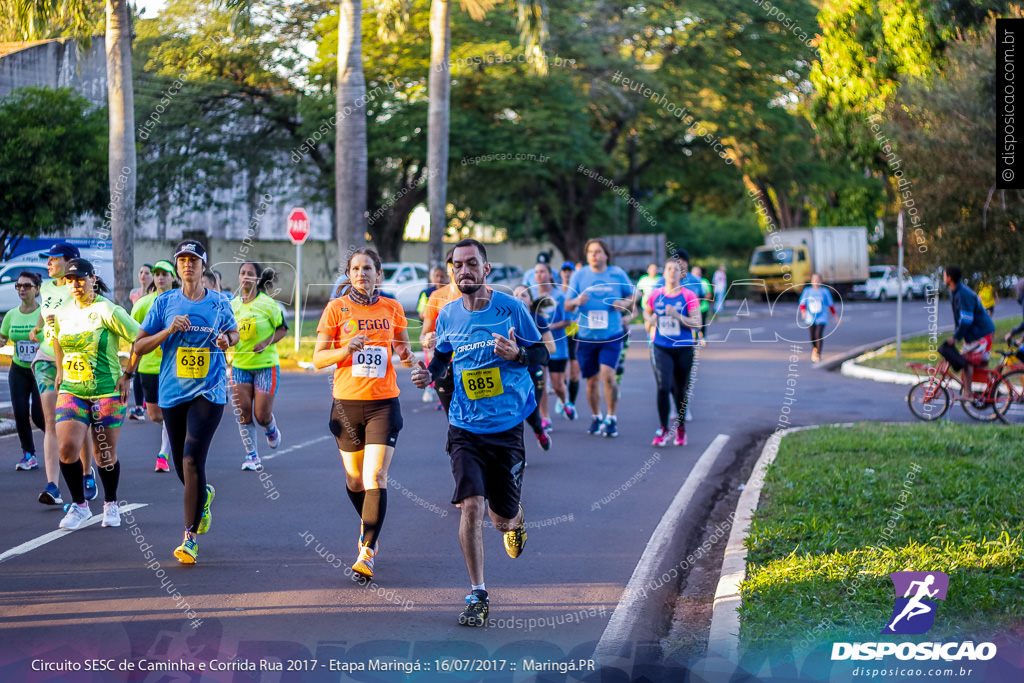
point(916, 588)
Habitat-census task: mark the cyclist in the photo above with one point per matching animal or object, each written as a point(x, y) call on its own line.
point(93, 391)
point(193, 326)
point(490, 340)
point(604, 295)
point(536, 419)
point(17, 325)
point(672, 315)
point(815, 305)
point(356, 333)
point(53, 293)
point(148, 373)
point(255, 365)
point(973, 326)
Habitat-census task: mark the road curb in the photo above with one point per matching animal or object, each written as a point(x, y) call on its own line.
point(724, 637)
point(7, 426)
point(642, 608)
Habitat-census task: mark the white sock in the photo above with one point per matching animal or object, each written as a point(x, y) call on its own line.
point(611, 417)
point(481, 587)
point(597, 416)
point(165, 440)
point(248, 434)
point(268, 428)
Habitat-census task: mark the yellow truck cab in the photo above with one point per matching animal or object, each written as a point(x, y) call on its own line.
point(789, 258)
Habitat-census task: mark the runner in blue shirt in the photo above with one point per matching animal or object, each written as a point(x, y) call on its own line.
point(552, 307)
point(603, 294)
point(815, 304)
point(490, 340)
point(193, 326)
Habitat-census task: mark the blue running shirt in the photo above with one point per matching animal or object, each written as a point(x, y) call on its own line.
point(192, 365)
point(670, 332)
point(816, 303)
point(555, 313)
point(491, 394)
point(598, 320)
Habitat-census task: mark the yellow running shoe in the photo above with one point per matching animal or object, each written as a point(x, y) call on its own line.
point(204, 521)
point(364, 565)
point(188, 551)
point(515, 540)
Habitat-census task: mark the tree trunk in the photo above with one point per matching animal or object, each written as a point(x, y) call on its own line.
point(350, 143)
point(123, 170)
point(437, 127)
point(633, 179)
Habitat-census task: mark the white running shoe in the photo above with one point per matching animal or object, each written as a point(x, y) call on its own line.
point(689, 416)
point(428, 395)
point(252, 463)
point(274, 437)
point(111, 515)
point(76, 517)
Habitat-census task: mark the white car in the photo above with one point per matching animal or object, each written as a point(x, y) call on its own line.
point(32, 262)
point(405, 281)
point(883, 284)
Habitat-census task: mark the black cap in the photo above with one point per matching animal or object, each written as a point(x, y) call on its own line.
point(68, 251)
point(682, 255)
point(543, 257)
point(79, 267)
point(191, 248)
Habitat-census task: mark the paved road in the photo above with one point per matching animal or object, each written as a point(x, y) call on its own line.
point(268, 584)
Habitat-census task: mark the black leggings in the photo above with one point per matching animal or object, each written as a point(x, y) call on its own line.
point(816, 334)
point(191, 426)
point(137, 386)
point(534, 419)
point(25, 400)
point(672, 367)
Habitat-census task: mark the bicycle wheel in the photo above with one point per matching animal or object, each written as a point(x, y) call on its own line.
point(1012, 410)
point(928, 400)
point(983, 407)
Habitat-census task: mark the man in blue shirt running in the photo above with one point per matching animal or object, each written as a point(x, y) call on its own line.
point(490, 340)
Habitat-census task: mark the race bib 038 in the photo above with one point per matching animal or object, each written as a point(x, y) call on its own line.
point(193, 363)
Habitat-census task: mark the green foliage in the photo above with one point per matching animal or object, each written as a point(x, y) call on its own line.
point(821, 554)
point(53, 162)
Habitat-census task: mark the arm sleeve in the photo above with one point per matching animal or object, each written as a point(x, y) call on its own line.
point(442, 345)
point(439, 364)
point(536, 354)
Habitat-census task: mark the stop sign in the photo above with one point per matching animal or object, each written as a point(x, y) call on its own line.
point(298, 226)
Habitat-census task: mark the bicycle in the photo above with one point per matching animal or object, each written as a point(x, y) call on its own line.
point(1001, 399)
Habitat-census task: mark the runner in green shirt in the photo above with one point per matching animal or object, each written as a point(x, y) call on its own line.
point(706, 298)
point(149, 366)
point(255, 364)
point(17, 325)
point(53, 293)
point(92, 389)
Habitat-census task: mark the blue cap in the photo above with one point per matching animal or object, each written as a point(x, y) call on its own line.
point(568, 265)
point(68, 251)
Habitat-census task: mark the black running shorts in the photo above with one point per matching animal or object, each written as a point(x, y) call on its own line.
point(489, 465)
point(357, 423)
point(558, 364)
point(150, 386)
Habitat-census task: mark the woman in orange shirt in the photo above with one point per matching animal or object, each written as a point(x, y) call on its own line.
point(357, 333)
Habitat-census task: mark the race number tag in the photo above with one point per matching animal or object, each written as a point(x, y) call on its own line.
point(814, 306)
point(76, 368)
point(193, 363)
point(484, 383)
point(26, 350)
point(370, 361)
point(669, 326)
point(598, 320)
point(247, 329)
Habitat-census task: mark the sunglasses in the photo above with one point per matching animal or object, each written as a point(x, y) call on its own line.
point(21, 285)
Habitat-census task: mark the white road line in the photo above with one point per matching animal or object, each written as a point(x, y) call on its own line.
point(616, 635)
point(29, 546)
point(296, 447)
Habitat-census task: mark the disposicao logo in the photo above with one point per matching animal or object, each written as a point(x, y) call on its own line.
point(914, 614)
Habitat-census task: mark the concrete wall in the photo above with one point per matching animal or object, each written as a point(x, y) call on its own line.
point(56, 64)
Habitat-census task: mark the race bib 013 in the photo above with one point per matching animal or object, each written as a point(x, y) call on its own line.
point(193, 363)
point(370, 361)
point(26, 350)
point(484, 383)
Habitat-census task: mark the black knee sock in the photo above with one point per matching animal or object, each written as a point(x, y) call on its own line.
point(533, 419)
point(110, 476)
point(375, 506)
point(574, 390)
point(75, 479)
point(357, 498)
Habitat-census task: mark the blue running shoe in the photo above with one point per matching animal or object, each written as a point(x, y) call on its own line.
point(611, 428)
point(28, 462)
point(90, 484)
point(51, 495)
point(596, 427)
point(476, 610)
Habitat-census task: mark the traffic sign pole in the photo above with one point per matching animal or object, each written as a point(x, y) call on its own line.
point(899, 275)
point(298, 232)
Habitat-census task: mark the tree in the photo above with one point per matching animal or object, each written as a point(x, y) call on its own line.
point(350, 145)
point(32, 19)
point(52, 162)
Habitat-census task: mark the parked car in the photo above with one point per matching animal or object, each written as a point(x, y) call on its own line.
point(921, 285)
point(883, 284)
point(9, 273)
point(504, 277)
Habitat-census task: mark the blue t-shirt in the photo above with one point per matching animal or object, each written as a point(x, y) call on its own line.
point(192, 365)
point(555, 314)
point(694, 284)
point(491, 394)
point(598, 320)
point(817, 303)
point(669, 331)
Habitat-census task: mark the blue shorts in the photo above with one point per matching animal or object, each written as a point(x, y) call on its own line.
point(593, 354)
point(264, 380)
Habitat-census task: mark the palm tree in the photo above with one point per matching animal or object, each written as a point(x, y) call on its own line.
point(34, 19)
point(350, 166)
